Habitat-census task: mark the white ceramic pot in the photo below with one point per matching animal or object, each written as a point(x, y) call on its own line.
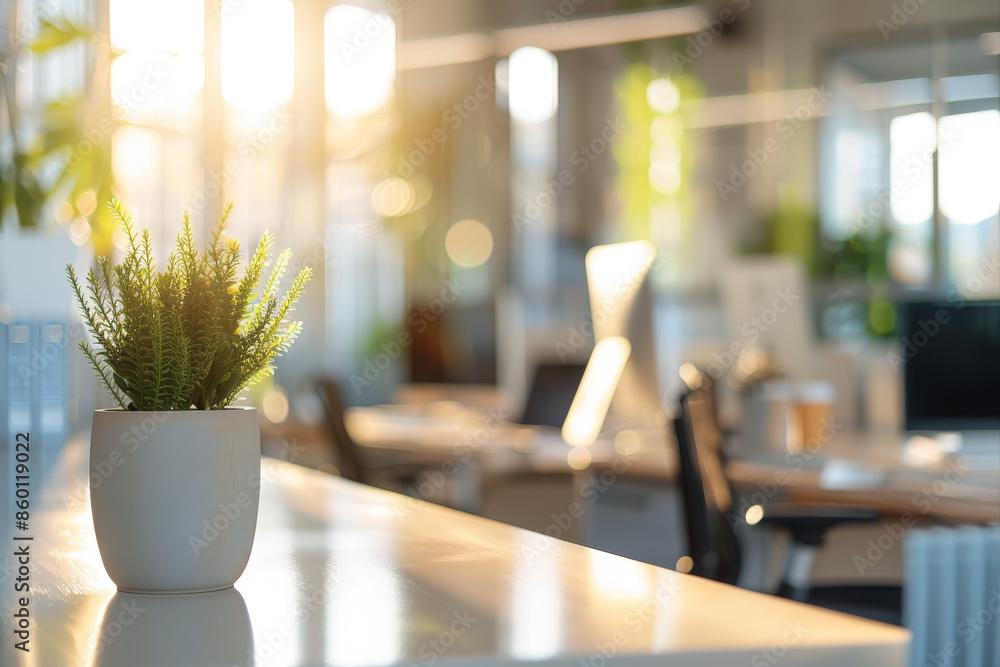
point(174, 496)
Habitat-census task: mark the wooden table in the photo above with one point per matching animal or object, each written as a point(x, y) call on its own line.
point(894, 473)
point(343, 574)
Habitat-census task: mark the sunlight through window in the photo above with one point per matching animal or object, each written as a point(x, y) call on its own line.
point(912, 141)
point(969, 169)
point(174, 26)
point(158, 88)
point(258, 54)
point(534, 85)
point(360, 60)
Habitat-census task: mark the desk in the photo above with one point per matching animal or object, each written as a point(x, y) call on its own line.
point(477, 447)
point(343, 574)
point(453, 431)
point(889, 471)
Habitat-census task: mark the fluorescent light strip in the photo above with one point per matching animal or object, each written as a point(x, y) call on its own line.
point(562, 36)
point(439, 51)
point(745, 109)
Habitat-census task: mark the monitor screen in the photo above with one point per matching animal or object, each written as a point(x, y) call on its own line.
point(551, 394)
point(951, 360)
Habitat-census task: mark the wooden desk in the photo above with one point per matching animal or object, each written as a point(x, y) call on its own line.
point(894, 473)
point(343, 574)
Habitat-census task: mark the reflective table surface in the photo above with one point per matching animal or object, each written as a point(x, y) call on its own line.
point(343, 574)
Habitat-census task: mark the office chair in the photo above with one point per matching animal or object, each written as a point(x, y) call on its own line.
point(710, 519)
point(399, 473)
point(345, 450)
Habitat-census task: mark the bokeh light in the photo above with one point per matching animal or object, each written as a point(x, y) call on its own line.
point(275, 405)
point(393, 197)
point(579, 458)
point(469, 243)
point(663, 96)
point(533, 82)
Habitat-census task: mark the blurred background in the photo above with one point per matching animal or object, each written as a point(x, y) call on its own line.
point(411, 151)
point(445, 166)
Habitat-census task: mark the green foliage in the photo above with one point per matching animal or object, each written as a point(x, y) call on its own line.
point(193, 335)
point(56, 32)
point(70, 152)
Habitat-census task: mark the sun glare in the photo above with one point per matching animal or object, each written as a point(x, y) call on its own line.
point(171, 27)
point(360, 60)
point(533, 76)
point(258, 54)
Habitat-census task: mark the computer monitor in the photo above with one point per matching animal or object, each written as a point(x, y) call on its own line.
point(950, 357)
point(621, 306)
point(551, 394)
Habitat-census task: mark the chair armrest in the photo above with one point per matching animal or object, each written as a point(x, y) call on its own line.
point(808, 522)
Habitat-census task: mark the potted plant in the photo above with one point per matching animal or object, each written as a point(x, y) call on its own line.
point(175, 469)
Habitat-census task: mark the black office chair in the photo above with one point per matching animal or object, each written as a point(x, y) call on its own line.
point(345, 450)
point(710, 521)
point(396, 473)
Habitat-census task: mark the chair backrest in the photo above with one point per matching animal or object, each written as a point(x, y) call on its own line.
point(348, 455)
point(706, 495)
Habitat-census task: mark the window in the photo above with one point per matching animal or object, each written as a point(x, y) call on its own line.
point(912, 161)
